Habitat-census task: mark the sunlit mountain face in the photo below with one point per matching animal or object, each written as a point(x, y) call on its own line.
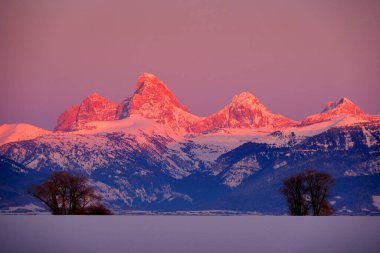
point(150, 153)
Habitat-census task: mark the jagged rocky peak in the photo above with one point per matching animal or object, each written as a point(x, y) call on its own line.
point(95, 96)
point(92, 108)
point(343, 106)
point(67, 120)
point(249, 101)
point(245, 97)
point(150, 82)
point(245, 111)
point(333, 109)
point(153, 100)
point(151, 97)
point(150, 89)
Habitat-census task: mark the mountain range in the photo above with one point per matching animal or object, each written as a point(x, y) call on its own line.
point(151, 153)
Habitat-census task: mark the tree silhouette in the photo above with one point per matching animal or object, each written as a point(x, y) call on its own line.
point(294, 190)
point(306, 191)
point(318, 186)
point(64, 193)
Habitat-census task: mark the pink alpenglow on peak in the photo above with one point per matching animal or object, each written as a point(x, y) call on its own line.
point(153, 100)
point(344, 105)
point(92, 108)
point(152, 96)
point(67, 120)
point(245, 111)
point(333, 109)
point(20, 132)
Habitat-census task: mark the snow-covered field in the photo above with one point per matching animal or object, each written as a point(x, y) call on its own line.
point(46, 233)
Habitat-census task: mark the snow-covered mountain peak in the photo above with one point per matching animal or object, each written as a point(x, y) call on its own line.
point(245, 111)
point(95, 96)
point(153, 100)
point(151, 89)
point(247, 102)
point(343, 106)
point(148, 79)
point(152, 94)
point(92, 108)
point(335, 109)
point(345, 100)
point(245, 98)
point(19, 132)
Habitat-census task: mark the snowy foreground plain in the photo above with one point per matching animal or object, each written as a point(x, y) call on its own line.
point(128, 233)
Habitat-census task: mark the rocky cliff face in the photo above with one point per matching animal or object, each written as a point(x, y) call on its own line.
point(67, 120)
point(153, 100)
point(343, 107)
point(245, 111)
point(92, 108)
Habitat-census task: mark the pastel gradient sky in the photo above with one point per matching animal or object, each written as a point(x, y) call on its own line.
point(293, 55)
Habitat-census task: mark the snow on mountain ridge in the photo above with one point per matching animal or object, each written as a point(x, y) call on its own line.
point(245, 111)
point(333, 109)
point(20, 132)
point(153, 100)
point(343, 105)
point(92, 108)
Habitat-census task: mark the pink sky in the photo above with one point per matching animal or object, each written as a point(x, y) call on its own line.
point(293, 55)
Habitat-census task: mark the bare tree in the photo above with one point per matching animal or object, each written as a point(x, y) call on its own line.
point(64, 193)
point(318, 186)
point(294, 190)
point(308, 190)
